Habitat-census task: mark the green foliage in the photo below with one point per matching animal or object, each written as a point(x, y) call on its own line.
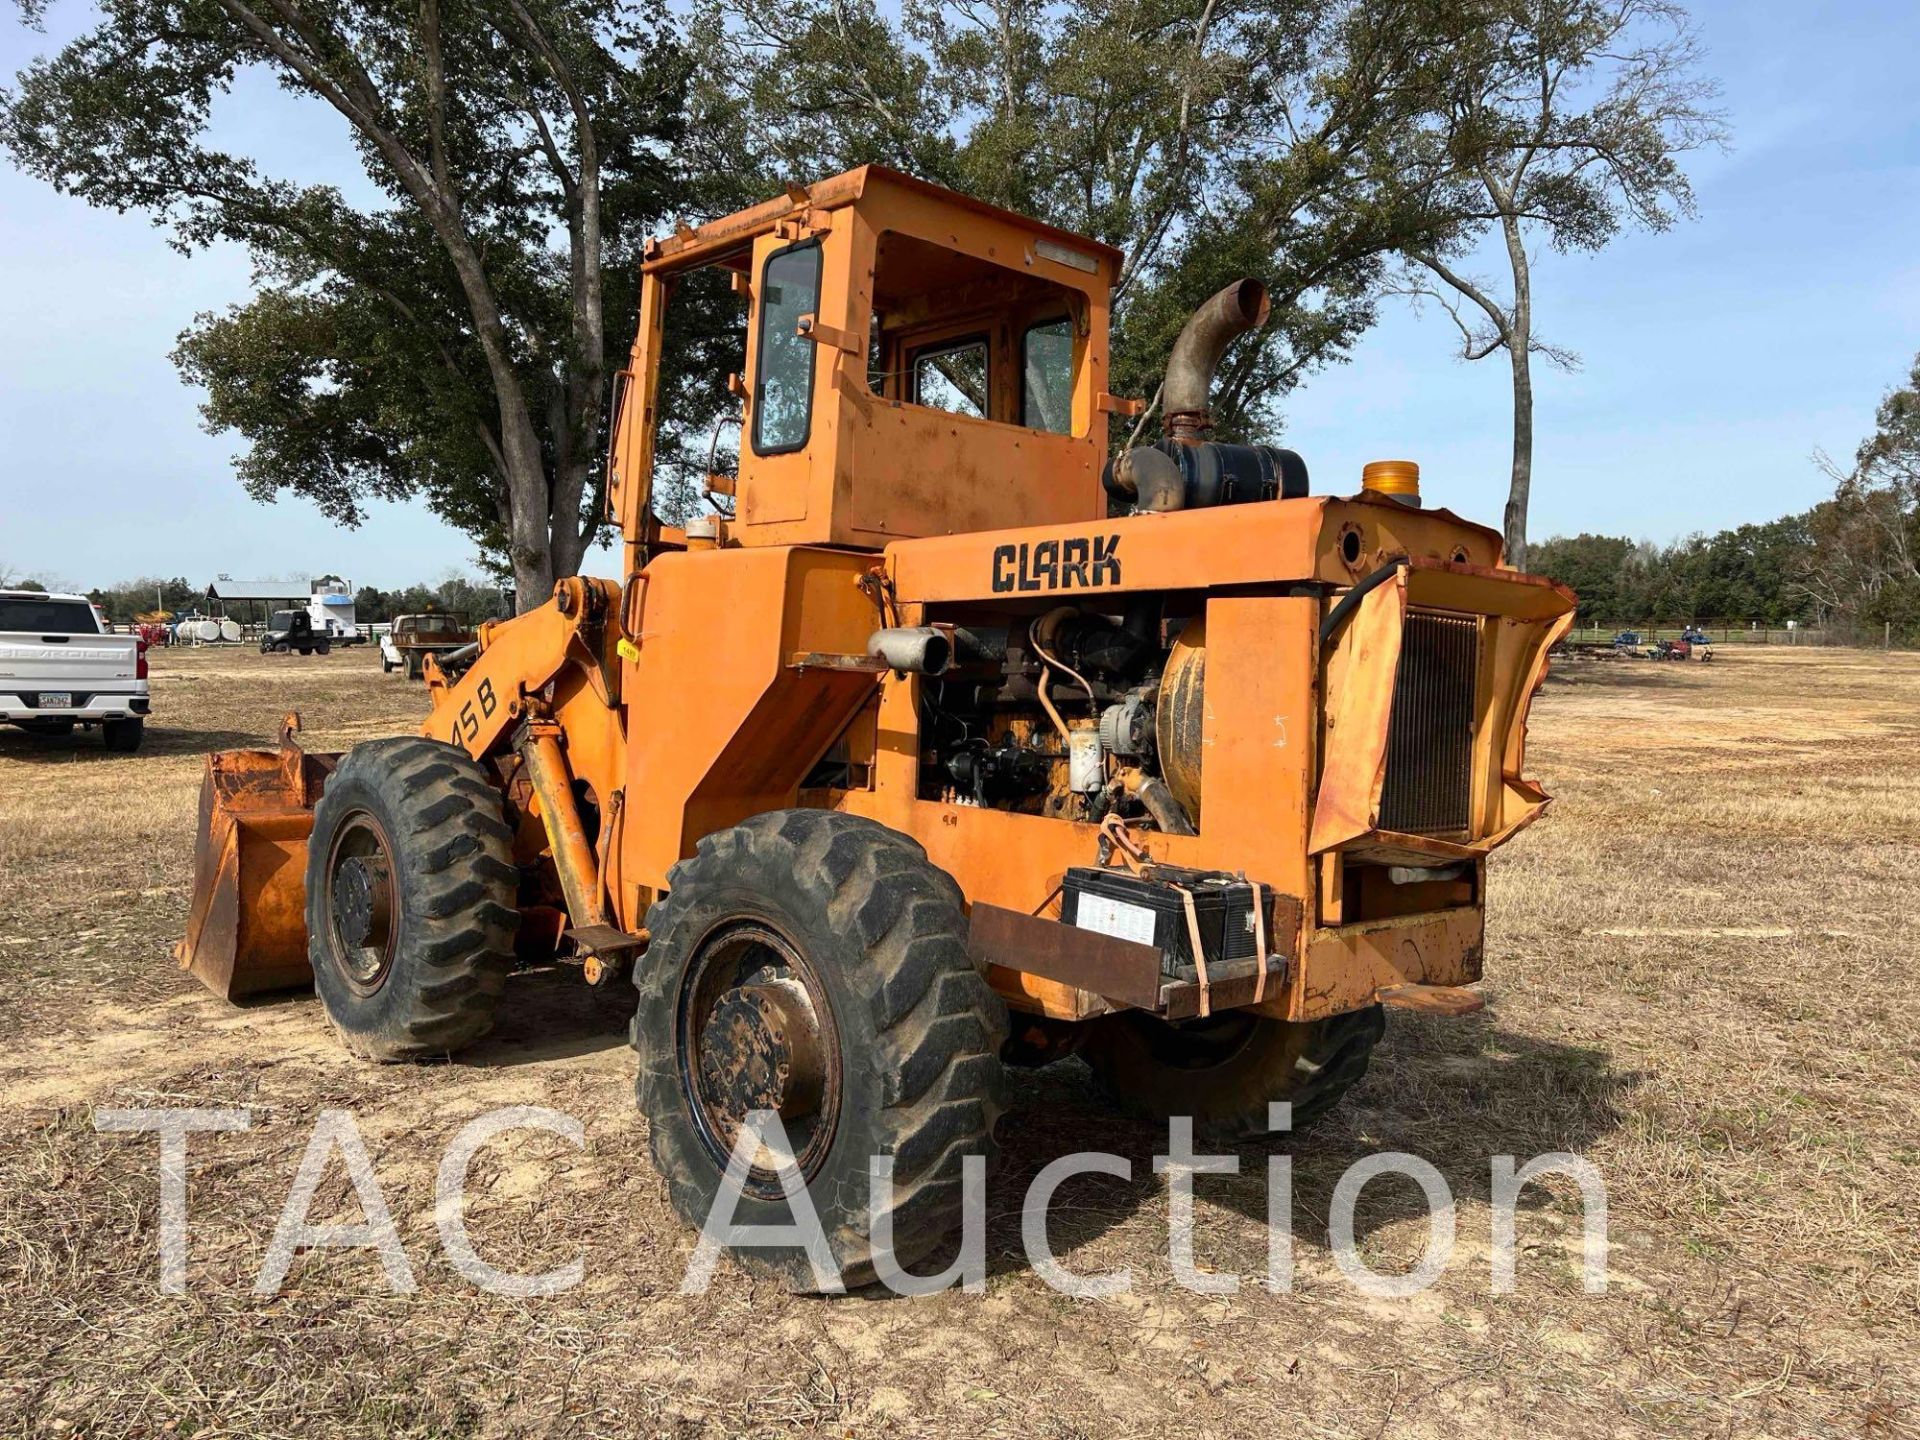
point(447, 340)
point(1209, 139)
point(130, 599)
point(473, 600)
point(1561, 120)
point(1751, 572)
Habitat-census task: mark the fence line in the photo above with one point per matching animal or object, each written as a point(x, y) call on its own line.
point(1754, 632)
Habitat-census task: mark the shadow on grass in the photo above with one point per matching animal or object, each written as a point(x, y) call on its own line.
point(83, 745)
point(549, 1013)
point(1455, 1093)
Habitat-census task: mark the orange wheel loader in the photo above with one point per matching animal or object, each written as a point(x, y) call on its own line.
point(951, 741)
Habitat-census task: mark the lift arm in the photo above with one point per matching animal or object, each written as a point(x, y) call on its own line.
point(522, 692)
point(580, 626)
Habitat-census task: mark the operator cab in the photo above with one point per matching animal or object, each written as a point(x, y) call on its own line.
point(911, 362)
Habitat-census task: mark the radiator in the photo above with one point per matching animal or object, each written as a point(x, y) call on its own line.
point(1429, 781)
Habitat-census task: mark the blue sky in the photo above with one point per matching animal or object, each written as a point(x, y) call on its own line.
point(1717, 357)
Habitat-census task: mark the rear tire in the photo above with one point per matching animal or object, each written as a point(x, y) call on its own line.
point(412, 900)
point(1224, 1071)
point(857, 934)
point(122, 735)
point(413, 665)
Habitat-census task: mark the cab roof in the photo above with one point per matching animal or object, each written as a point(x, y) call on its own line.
point(692, 242)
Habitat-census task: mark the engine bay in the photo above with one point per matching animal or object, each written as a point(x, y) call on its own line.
point(1075, 713)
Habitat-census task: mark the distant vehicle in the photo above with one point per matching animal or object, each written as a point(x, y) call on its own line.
point(293, 630)
point(1694, 635)
point(1626, 640)
point(414, 637)
point(60, 668)
point(331, 610)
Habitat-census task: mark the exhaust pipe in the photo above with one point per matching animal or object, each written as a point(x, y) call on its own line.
point(1150, 478)
point(920, 650)
point(1241, 307)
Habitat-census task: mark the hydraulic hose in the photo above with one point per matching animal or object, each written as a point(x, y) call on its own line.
point(1343, 608)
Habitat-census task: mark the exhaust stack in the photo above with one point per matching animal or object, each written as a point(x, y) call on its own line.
point(1240, 307)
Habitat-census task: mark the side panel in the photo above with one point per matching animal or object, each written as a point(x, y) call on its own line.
point(1258, 736)
point(1360, 685)
point(721, 724)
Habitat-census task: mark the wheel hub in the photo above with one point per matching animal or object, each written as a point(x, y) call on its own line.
point(360, 898)
point(760, 1050)
point(359, 903)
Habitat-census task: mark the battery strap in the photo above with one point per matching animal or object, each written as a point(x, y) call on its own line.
point(1199, 950)
point(1259, 943)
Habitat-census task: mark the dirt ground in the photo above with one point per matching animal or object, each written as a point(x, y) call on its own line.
point(1699, 973)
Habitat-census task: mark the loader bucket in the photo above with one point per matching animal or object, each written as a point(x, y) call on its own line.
point(247, 928)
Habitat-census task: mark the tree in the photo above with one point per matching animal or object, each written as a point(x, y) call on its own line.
point(130, 599)
point(1560, 119)
point(1208, 139)
point(1594, 566)
point(448, 341)
point(1864, 560)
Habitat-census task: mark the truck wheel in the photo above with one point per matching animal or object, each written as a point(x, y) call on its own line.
point(1224, 1070)
point(324, 646)
point(122, 735)
point(413, 665)
point(816, 964)
point(386, 666)
point(412, 899)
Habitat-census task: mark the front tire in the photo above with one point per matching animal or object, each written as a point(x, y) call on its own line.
point(816, 964)
point(412, 900)
point(1223, 1071)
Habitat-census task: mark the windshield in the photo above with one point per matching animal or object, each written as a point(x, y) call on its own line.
point(47, 617)
point(434, 625)
point(283, 619)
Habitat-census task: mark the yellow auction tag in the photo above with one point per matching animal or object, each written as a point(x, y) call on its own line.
point(627, 650)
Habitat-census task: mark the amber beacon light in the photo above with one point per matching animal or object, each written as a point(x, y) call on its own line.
point(1398, 478)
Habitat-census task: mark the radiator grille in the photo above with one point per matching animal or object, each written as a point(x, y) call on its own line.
point(1429, 781)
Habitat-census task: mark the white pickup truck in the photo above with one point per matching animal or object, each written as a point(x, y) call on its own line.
point(59, 668)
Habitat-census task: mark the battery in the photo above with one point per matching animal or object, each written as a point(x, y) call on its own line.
point(1150, 910)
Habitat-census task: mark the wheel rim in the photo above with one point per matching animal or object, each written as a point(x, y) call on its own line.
point(362, 923)
point(755, 1031)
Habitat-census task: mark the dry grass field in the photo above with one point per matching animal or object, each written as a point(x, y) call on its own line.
point(1700, 974)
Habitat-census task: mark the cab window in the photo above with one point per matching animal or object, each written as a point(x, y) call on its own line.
point(969, 335)
point(783, 372)
point(953, 377)
point(1046, 376)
